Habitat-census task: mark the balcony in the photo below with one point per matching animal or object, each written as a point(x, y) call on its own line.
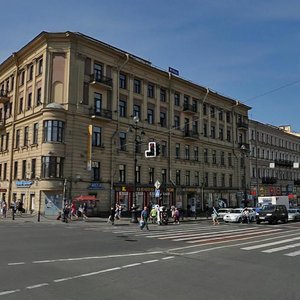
point(269, 180)
point(4, 96)
point(188, 108)
point(284, 163)
point(101, 80)
point(242, 125)
point(102, 113)
point(190, 134)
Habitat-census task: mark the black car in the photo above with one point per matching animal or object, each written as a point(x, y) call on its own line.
point(272, 214)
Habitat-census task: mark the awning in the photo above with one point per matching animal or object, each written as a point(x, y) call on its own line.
point(85, 198)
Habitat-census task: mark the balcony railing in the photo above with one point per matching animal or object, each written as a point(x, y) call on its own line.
point(103, 113)
point(3, 96)
point(283, 163)
point(189, 108)
point(269, 180)
point(242, 125)
point(101, 79)
point(190, 134)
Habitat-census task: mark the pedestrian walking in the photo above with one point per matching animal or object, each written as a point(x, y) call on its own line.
point(84, 211)
point(144, 218)
point(176, 216)
point(153, 215)
point(111, 217)
point(4, 208)
point(215, 216)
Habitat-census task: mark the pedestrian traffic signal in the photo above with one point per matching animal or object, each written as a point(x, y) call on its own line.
point(151, 152)
point(157, 149)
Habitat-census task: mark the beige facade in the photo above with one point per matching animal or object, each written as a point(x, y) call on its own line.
point(274, 161)
point(77, 116)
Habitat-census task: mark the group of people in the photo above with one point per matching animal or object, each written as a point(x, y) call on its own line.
point(70, 212)
point(115, 214)
point(17, 208)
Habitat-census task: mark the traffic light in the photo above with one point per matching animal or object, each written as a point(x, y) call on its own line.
point(157, 149)
point(151, 152)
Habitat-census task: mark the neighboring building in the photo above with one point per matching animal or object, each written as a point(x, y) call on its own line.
point(274, 161)
point(76, 116)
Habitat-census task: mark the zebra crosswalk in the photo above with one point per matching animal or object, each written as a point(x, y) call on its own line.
point(265, 239)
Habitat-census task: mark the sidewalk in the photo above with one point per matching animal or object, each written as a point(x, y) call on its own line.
point(33, 218)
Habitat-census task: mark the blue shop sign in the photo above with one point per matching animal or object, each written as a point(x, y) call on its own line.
point(96, 186)
point(24, 183)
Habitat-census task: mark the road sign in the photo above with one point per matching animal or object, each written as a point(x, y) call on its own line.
point(157, 184)
point(157, 193)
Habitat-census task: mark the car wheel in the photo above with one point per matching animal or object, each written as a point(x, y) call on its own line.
point(285, 220)
point(257, 222)
point(240, 220)
point(274, 222)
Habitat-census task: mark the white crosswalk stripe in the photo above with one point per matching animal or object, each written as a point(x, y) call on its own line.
point(285, 244)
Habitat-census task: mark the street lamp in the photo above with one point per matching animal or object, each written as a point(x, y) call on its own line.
point(244, 152)
point(136, 143)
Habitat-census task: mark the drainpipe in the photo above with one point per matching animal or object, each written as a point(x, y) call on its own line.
point(112, 198)
point(15, 88)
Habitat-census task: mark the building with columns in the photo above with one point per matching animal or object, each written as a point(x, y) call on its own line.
point(274, 161)
point(77, 115)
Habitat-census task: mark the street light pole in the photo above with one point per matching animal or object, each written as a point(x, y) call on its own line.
point(244, 152)
point(134, 205)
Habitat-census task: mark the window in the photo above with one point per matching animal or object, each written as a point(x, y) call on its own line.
point(122, 108)
point(164, 176)
point(163, 95)
point(5, 171)
point(122, 173)
point(196, 153)
point(52, 167)
point(178, 181)
point(177, 99)
point(29, 101)
point(223, 180)
point(212, 112)
point(96, 171)
point(222, 158)
point(205, 129)
point(2, 142)
point(98, 103)
point(164, 148)
point(214, 157)
point(40, 66)
point(122, 141)
point(215, 181)
point(221, 133)
point(177, 151)
point(17, 141)
point(53, 131)
point(30, 72)
point(187, 178)
point(213, 132)
point(97, 137)
point(26, 136)
point(230, 183)
point(228, 135)
point(206, 179)
point(38, 97)
point(194, 105)
point(6, 142)
point(24, 169)
point(21, 104)
point(122, 81)
point(187, 152)
point(98, 72)
point(205, 155)
point(151, 175)
point(35, 133)
point(186, 102)
point(15, 170)
point(163, 121)
point(22, 77)
point(204, 108)
point(33, 168)
point(137, 86)
point(197, 179)
point(150, 116)
point(150, 90)
point(137, 111)
point(221, 115)
point(228, 117)
point(177, 122)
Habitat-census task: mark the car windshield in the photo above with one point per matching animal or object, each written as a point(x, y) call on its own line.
point(237, 211)
point(268, 207)
point(292, 210)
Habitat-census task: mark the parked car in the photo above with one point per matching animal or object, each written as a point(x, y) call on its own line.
point(223, 211)
point(294, 214)
point(236, 215)
point(272, 214)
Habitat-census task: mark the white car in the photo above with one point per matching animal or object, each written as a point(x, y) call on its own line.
point(294, 214)
point(236, 215)
point(223, 211)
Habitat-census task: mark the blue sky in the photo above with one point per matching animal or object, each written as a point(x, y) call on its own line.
point(246, 50)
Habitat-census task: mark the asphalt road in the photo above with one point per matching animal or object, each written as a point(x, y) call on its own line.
point(192, 260)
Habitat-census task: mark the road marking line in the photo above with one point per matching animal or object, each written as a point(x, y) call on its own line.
point(296, 253)
point(150, 261)
point(9, 292)
point(281, 248)
point(131, 265)
point(271, 244)
point(96, 257)
point(16, 264)
point(168, 257)
point(36, 286)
